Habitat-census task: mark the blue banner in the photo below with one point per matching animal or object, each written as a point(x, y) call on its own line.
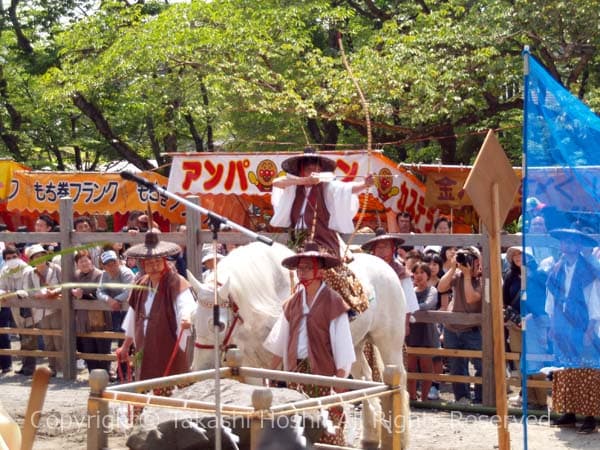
point(561, 186)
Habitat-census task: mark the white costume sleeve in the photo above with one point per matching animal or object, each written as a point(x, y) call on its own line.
point(128, 324)
point(341, 343)
point(412, 304)
point(342, 205)
point(277, 340)
point(282, 200)
point(184, 307)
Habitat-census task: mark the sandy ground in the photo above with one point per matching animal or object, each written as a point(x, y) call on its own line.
point(63, 422)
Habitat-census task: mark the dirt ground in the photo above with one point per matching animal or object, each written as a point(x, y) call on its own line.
point(63, 422)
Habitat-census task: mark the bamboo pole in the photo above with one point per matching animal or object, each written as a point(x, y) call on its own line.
point(174, 403)
point(304, 378)
point(173, 380)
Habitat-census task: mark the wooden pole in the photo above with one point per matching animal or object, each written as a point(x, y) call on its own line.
point(39, 387)
point(193, 241)
point(498, 322)
point(261, 401)
point(234, 362)
point(391, 436)
point(69, 346)
point(97, 430)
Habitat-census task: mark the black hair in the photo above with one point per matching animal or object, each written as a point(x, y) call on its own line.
point(422, 266)
point(403, 214)
point(82, 219)
point(9, 250)
point(444, 250)
point(49, 221)
point(440, 220)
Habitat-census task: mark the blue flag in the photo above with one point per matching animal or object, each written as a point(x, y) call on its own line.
point(561, 211)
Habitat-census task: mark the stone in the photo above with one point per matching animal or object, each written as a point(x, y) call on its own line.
point(162, 428)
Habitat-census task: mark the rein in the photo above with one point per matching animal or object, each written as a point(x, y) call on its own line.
point(230, 304)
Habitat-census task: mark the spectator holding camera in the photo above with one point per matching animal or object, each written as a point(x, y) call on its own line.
point(464, 278)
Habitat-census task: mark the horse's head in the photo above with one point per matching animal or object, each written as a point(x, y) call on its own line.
point(203, 319)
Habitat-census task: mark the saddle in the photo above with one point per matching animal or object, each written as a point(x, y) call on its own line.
point(342, 280)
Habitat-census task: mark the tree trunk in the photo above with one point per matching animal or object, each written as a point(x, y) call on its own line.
point(447, 142)
point(209, 130)
point(60, 163)
point(154, 144)
point(103, 127)
point(198, 142)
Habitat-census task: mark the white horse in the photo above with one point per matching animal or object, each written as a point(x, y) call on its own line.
point(254, 284)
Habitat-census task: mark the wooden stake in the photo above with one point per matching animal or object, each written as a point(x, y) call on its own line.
point(39, 387)
point(498, 323)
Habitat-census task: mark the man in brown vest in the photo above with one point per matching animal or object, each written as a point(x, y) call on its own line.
point(313, 334)
point(159, 315)
point(312, 203)
point(308, 195)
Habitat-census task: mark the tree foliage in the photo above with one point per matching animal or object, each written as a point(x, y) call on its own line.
point(83, 82)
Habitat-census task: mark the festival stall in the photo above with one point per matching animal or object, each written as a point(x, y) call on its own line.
point(93, 193)
point(444, 191)
point(238, 185)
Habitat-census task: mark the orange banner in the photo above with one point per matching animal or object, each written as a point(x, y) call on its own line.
point(7, 168)
point(92, 193)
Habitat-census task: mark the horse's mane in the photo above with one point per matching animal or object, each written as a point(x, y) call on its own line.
point(257, 280)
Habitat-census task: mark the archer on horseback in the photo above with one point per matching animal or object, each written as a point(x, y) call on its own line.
point(310, 202)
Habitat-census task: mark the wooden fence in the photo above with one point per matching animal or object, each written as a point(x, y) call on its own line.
point(193, 238)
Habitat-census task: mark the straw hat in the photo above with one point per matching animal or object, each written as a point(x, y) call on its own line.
point(292, 165)
point(381, 235)
point(153, 248)
point(570, 234)
point(311, 250)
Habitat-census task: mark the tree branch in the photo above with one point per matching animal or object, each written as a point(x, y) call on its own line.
point(104, 128)
point(22, 40)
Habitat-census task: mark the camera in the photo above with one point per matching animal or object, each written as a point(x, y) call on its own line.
point(465, 258)
point(512, 315)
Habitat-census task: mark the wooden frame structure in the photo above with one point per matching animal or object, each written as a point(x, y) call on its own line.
point(261, 411)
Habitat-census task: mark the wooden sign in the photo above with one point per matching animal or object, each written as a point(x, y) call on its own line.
point(492, 166)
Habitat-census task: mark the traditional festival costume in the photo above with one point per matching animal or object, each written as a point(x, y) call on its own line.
point(573, 305)
point(320, 211)
point(155, 314)
point(314, 339)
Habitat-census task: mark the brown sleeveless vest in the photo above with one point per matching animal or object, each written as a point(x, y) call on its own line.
point(327, 307)
point(161, 332)
point(324, 237)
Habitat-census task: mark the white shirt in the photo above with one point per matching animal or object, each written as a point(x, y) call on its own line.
point(184, 306)
point(339, 335)
point(412, 304)
point(341, 203)
point(591, 293)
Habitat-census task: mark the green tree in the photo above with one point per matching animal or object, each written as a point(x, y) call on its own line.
point(132, 80)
